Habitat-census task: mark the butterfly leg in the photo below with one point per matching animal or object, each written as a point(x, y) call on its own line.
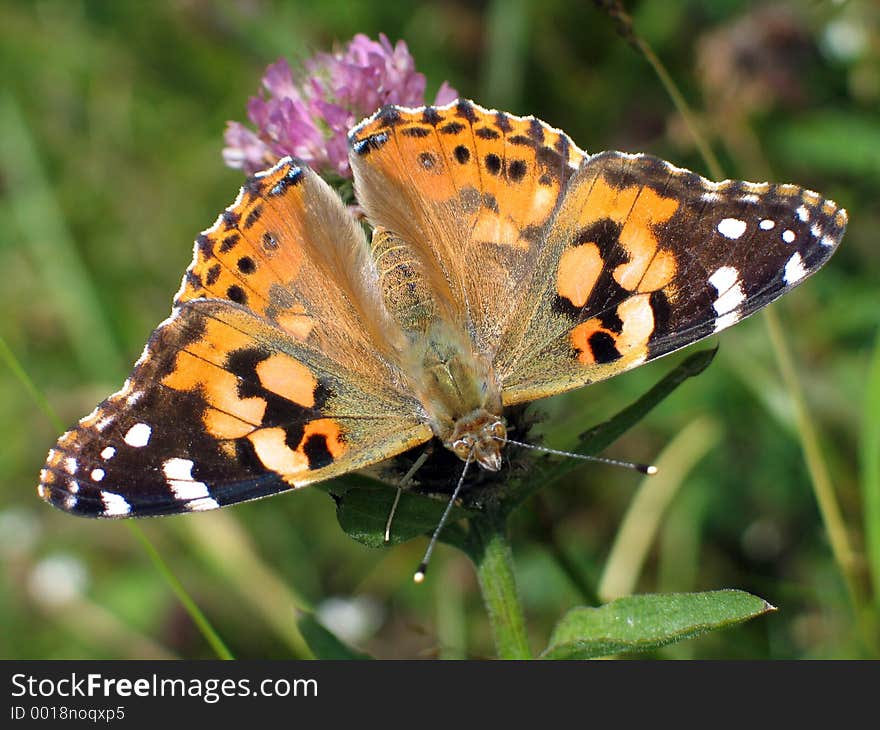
point(407, 478)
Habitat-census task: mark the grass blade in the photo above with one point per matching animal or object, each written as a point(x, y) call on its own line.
point(646, 510)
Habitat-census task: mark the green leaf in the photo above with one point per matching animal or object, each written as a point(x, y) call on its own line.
point(643, 623)
point(323, 642)
point(597, 438)
point(363, 506)
point(594, 440)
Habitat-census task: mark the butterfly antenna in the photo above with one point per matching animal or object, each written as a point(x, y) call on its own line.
point(407, 478)
point(423, 566)
point(643, 468)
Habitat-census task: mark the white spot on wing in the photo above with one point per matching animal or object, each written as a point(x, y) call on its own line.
point(767, 224)
point(97, 475)
point(108, 453)
point(794, 269)
point(788, 235)
point(178, 473)
point(115, 505)
point(726, 320)
point(803, 213)
point(203, 504)
point(138, 435)
point(730, 292)
point(70, 465)
point(732, 227)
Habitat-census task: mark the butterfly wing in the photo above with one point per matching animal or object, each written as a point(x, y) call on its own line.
point(643, 258)
point(268, 375)
point(460, 196)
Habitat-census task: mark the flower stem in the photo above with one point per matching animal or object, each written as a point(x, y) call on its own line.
point(491, 555)
point(817, 467)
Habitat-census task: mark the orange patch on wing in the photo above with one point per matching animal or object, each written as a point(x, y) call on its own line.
point(297, 324)
point(242, 255)
point(579, 269)
point(273, 451)
point(331, 432)
point(631, 342)
point(495, 228)
point(640, 241)
point(222, 425)
point(283, 375)
point(580, 340)
point(201, 367)
point(659, 272)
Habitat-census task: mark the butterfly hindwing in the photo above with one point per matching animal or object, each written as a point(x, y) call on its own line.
point(644, 258)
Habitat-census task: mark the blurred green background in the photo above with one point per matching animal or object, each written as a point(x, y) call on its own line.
point(111, 121)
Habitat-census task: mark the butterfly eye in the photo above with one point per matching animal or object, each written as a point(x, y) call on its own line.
point(463, 447)
point(499, 429)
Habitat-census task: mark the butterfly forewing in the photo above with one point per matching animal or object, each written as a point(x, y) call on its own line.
point(644, 258)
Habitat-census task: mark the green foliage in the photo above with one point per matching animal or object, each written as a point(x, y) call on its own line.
point(645, 623)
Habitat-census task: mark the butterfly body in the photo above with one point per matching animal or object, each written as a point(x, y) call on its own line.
point(506, 265)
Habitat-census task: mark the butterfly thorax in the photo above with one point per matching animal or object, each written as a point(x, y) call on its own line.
point(460, 393)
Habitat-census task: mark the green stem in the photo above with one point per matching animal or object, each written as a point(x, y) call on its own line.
point(211, 636)
point(815, 461)
point(818, 469)
point(491, 555)
point(870, 461)
point(195, 613)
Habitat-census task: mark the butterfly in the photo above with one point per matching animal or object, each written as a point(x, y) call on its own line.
point(505, 265)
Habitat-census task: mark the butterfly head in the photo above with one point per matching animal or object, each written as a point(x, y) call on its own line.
point(479, 437)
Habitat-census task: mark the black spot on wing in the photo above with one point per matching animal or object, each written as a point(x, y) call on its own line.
point(603, 348)
point(431, 116)
point(246, 265)
point(205, 246)
point(536, 131)
point(516, 170)
point(502, 122)
point(253, 216)
point(521, 140)
point(315, 449)
point(493, 163)
point(236, 294)
point(292, 177)
point(415, 132)
point(389, 116)
point(229, 242)
point(213, 274)
point(451, 128)
point(465, 110)
point(230, 219)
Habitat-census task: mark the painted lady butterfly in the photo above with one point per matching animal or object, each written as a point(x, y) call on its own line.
point(506, 265)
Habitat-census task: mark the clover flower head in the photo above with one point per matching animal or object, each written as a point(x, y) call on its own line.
point(308, 115)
